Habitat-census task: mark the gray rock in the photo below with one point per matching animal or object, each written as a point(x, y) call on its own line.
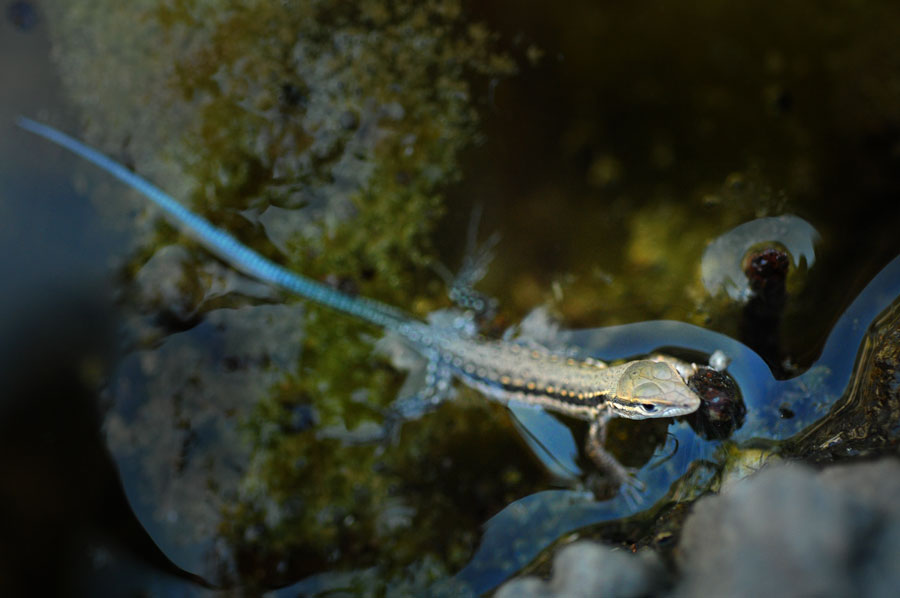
point(588, 570)
point(792, 531)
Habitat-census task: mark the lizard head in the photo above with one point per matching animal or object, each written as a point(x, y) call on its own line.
point(652, 389)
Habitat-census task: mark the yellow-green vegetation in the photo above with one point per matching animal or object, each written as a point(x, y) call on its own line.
point(659, 252)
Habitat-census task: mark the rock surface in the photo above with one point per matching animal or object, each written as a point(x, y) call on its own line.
point(587, 569)
point(788, 531)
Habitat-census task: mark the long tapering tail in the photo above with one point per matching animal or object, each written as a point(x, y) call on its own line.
point(222, 243)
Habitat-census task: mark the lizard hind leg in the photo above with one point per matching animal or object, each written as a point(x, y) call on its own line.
point(477, 259)
point(436, 388)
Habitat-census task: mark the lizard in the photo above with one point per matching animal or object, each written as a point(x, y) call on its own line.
point(502, 370)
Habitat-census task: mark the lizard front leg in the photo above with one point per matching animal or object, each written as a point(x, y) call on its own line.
point(617, 475)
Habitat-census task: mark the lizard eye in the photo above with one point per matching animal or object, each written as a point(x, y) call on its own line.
point(648, 407)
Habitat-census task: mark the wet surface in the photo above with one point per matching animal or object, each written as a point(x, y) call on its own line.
point(352, 146)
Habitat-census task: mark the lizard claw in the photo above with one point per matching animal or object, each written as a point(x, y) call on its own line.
point(631, 488)
point(625, 481)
